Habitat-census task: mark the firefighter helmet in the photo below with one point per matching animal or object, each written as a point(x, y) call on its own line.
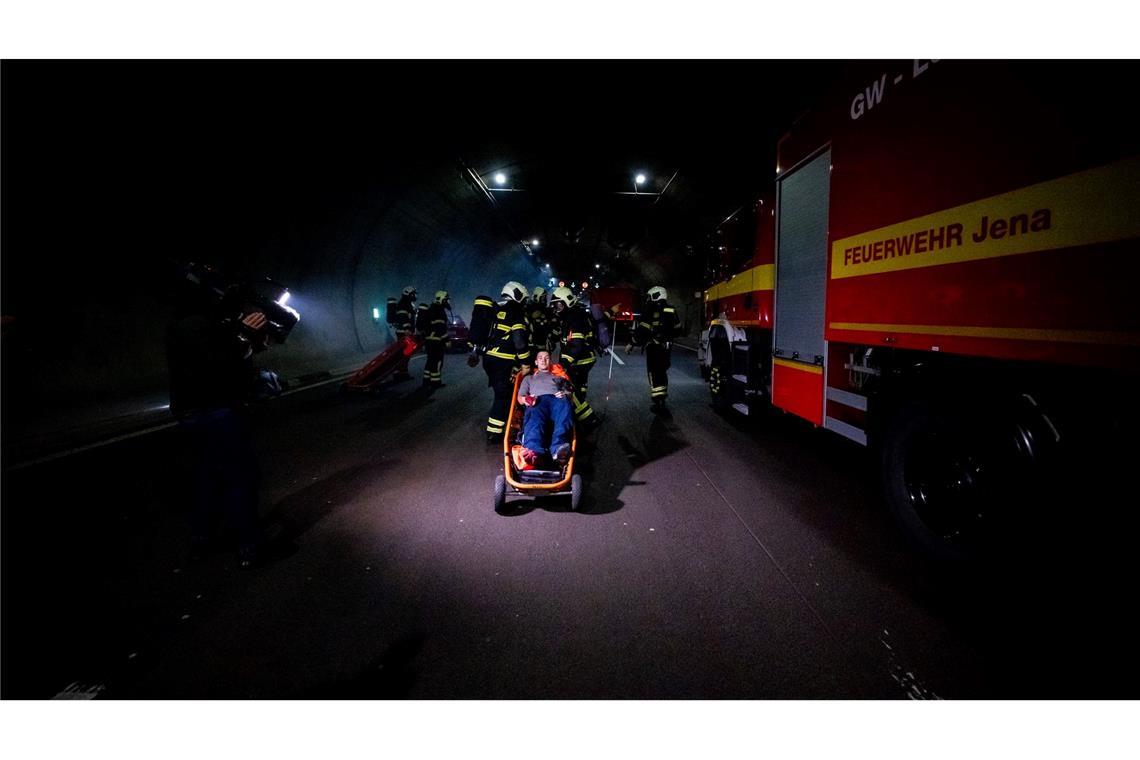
point(563, 295)
point(410, 291)
point(514, 291)
point(656, 293)
point(538, 294)
point(441, 296)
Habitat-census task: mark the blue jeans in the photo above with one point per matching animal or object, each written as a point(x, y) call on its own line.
point(548, 412)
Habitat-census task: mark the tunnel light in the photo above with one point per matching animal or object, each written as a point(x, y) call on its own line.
point(585, 284)
point(548, 266)
point(561, 283)
point(375, 313)
point(534, 242)
point(597, 266)
point(639, 179)
point(500, 178)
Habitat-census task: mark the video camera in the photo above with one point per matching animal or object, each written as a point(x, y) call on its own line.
point(233, 300)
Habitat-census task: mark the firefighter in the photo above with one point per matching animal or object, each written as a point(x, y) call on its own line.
point(437, 318)
point(658, 325)
point(539, 319)
point(578, 357)
point(422, 320)
point(507, 352)
point(402, 317)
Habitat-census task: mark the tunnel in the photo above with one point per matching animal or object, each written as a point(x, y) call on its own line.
point(921, 494)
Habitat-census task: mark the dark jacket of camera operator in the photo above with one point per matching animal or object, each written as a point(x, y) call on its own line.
point(209, 359)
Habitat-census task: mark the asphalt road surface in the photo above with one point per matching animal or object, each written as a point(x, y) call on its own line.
point(710, 559)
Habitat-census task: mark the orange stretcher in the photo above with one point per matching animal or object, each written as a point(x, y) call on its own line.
point(561, 481)
point(385, 363)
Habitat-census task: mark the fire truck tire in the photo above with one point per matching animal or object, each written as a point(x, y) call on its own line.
point(926, 460)
point(718, 388)
point(500, 493)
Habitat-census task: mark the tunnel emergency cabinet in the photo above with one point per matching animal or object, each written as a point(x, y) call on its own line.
point(949, 275)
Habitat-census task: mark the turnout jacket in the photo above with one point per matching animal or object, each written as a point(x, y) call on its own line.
point(659, 323)
point(509, 337)
point(405, 314)
point(435, 323)
point(577, 337)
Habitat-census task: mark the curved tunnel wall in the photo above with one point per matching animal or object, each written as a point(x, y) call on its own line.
point(98, 338)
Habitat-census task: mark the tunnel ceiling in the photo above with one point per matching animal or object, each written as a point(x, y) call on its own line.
point(703, 136)
point(210, 155)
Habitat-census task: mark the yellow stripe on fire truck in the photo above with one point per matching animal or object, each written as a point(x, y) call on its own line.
point(1089, 207)
point(761, 277)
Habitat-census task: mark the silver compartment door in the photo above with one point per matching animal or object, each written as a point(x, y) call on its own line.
point(801, 260)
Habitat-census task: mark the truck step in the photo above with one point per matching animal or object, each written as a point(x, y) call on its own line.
point(741, 378)
point(742, 408)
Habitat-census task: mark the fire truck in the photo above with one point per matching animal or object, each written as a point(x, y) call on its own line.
point(945, 271)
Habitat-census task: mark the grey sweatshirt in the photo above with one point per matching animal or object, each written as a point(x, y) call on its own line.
point(541, 384)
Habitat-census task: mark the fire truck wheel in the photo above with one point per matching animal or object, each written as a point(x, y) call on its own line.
point(718, 388)
point(934, 471)
point(500, 493)
point(575, 491)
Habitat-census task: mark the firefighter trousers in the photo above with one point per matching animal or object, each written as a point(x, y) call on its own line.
point(433, 369)
point(499, 373)
point(580, 377)
point(657, 364)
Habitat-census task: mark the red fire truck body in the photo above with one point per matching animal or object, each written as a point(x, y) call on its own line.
point(952, 245)
point(624, 297)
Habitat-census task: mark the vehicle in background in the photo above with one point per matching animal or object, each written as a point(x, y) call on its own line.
point(458, 334)
point(625, 299)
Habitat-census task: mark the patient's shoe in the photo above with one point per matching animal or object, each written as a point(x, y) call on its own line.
point(562, 454)
point(523, 458)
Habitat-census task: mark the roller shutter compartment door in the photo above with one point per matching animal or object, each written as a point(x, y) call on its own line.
point(801, 260)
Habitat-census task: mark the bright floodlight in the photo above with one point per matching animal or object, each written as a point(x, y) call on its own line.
point(597, 266)
point(548, 266)
point(500, 178)
point(640, 178)
point(534, 242)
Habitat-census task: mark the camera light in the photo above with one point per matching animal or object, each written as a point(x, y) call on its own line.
point(284, 299)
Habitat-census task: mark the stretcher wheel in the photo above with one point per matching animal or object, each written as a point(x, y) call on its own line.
point(575, 491)
point(500, 492)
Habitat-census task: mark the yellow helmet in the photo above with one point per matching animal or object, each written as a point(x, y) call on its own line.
point(514, 291)
point(565, 295)
point(441, 296)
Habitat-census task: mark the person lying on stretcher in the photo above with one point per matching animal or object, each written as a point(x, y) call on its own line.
point(546, 394)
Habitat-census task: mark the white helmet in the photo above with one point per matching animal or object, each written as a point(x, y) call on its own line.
point(563, 294)
point(656, 293)
point(514, 291)
point(410, 291)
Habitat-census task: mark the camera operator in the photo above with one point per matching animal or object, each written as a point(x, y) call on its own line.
point(210, 345)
